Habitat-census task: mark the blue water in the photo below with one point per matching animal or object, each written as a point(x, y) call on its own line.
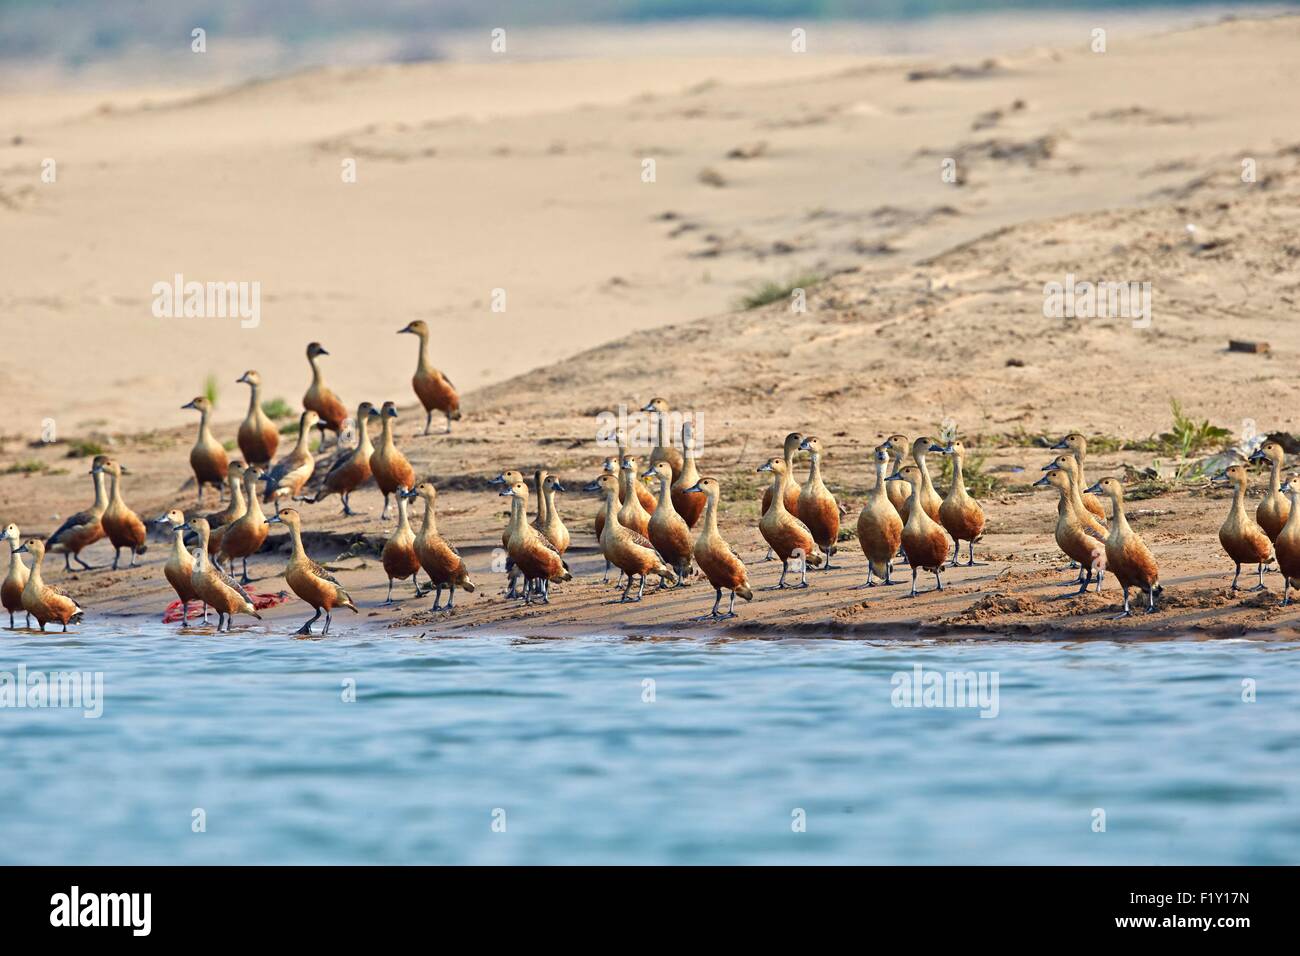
point(555, 739)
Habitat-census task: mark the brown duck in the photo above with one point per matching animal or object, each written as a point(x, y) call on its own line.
point(393, 473)
point(435, 391)
point(207, 457)
point(258, 437)
point(307, 579)
point(122, 525)
point(441, 562)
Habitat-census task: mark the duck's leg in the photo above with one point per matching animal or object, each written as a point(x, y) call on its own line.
point(970, 555)
point(641, 590)
point(785, 566)
point(626, 588)
point(1235, 575)
point(134, 555)
point(327, 622)
point(1260, 586)
point(803, 573)
point(1086, 581)
point(415, 579)
point(1286, 592)
point(116, 554)
point(185, 612)
point(306, 628)
point(244, 578)
point(869, 583)
point(347, 508)
point(1126, 611)
point(731, 605)
point(1151, 599)
point(88, 567)
point(913, 593)
point(605, 579)
point(428, 421)
point(956, 551)
point(451, 595)
point(448, 422)
point(716, 601)
point(205, 612)
point(826, 553)
point(544, 586)
point(769, 556)
point(389, 598)
point(938, 581)
point(383, 515)
point(67, 561)
point(1100, 574)
point(29, 621)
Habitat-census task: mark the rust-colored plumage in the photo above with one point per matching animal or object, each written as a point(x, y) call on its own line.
point(258, 437)
point(818, 508)
point(352, 470)
point(960, 514)
point(668, 531)
point(537, 559)
point(880, 529)
point(1127, 556)
point(441, 562)
point(716, 558)
point(179, 567)
point(1076, 533)
point(11, 590)
point(690, 505)
point(207, 457)
point(663, 449)
point(320, 398)
point(1240, 535)
point(432, 387)
point(787, 536)
point(790, 490)
point(1272, 512)
point(49, 605)
point(122, 525)
point(85, 527)
point(307, 579)
point(291, 473)
point(245, 535)
point(1077, 445)
point(399, 558)
point(624, 548)
point(389, 466)
point(924, 542)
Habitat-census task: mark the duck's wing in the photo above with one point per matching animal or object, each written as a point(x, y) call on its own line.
point(636, 537)
point(231, 583)
point(321, 573)
point(76, 521)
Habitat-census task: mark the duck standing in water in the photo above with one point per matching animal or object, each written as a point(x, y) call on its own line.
point(960, 514)
point(1271, 514)
point(399, 558)
point(434, 390)
point(291, 473)
point(320, 399)
point(122, 525)
point(924, 543)
point(817, 506)
point(219, 521)
point(179, 569)
point(663, 449)
point(880, 529)
point(214, 586)
point(441, 562)
point(11, 591)
point(532, 553)
point(690, 506)
point(85, 527)
point(207, 457)
point(245, 535)
point(786, 535)
point(392, 471)
point(716, 558)
point(668, 531)
point(258, 437)
point(1241, 536)
point(42, 601)
point(1076, 533)
point(1127, 555)
point(626, 549)
point(350, 471)
point(1077, 446)
point(307, 579)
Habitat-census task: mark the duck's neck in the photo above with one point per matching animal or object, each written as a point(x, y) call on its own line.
point(422, 362)
point(517, 508)
point(403, 520)
point(364, 447)
point(879, 491)
point(250, 491)
point(1239, 499)
point(1078, 459)
point(205, 433)
point(711, 515)
point(295, 537)
point(625, 483)
point(237, 502)
point(34, 579)
point(201, 563)
point(178, 545)
point(898, 465)
point(923, 468)
point(1117, 514)
point(689, 474)
point(956, 474)
point(777, 507)
point(114, 493)
point(548, 498)
point(611, 509)
point(254, 406)
point(665, 494)
point(543, 503)
point(1076, 496)
point(302, 445)
point(430, 525)
point(1274, 477)
point(101, 492)
point(815, 468)
point(386, 436)
point(317, 379)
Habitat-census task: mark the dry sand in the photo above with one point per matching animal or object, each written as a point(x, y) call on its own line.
point(527, 177)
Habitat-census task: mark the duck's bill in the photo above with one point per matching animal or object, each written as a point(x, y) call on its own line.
point(1060, 444)
point(766, 466)
point(498, 480)
point(1051, 466)
point(275, 519)
point(1095, 488)
point(21, 549)
point(556, 486)
point(694, 489)
point(1042, 482)
point(594, 486)
point(895, 478)
point(941, 449)
point(648, 474)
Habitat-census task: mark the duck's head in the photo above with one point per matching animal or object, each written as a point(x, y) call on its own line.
point(629, 464)
point(288, 516)
point(922, 446)
point(791, 444)
point(35, 547)
point(1065, 463)
point(656, 405)
point(423, 490)
point(315, 349)
point(1055, 478)
point(660, 469)
point(811, 444)
point(198, 525)
point(11, 534)
point(507, 478)
point(551, 483)
point(1270, 451)
point(1112, 488)
point(880, 455)
point(1232, 475)
point(108, 467)
point(518, 489)
point(173, 519)
point(1073, 442)
point(418, 327)
point(606, 484)
point(389, 410)
point(307, 421)
point(910, 474)
point(897, 446)
point(774, 466)
point(705, 486)
point(249, 378)
point(364, 411)
point(199, 403)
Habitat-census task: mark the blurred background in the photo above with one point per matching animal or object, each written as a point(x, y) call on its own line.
point(91, 43)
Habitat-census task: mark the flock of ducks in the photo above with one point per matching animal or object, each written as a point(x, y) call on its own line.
point(665, 530)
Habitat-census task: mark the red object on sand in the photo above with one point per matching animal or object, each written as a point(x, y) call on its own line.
point(260, 601)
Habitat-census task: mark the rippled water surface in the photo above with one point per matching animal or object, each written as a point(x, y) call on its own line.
point(487, 750)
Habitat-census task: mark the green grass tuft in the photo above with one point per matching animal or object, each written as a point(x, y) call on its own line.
point(772, 291)
point(277, 408)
